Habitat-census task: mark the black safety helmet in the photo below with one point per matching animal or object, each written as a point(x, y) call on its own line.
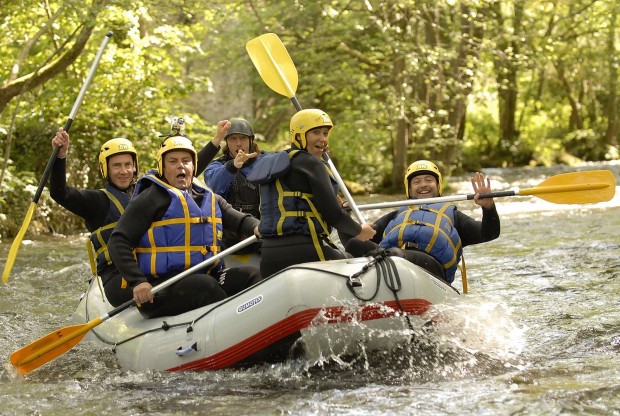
point(243, 127)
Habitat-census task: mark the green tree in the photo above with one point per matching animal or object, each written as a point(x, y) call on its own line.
point(142, 80)
point(467, 83)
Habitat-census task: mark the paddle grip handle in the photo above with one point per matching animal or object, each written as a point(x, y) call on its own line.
point(494, 194)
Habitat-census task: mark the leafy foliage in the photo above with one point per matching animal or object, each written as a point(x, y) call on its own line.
point(468, 83)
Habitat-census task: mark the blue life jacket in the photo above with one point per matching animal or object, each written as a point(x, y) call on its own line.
point(428, 228)
point(186, 235)
point(284, 211)
point(242, 194)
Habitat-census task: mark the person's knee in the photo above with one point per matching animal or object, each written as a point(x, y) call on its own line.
point(426, 261)
point(236, 279)
point(253, 275)
point(359, 248)
point(202, 291)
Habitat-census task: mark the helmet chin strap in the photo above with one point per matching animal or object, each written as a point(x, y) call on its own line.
point(297, 141)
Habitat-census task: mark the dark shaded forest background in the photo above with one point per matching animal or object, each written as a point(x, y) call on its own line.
point(469, 84)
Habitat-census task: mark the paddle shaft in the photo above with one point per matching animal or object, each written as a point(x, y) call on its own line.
point(499, 194)
point(91, 324)
point(50, 163)
point(193, 269)
point(74, 110)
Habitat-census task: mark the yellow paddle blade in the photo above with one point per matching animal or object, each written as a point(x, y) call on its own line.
point(273, 63)
point(16, 243)
point(576, 187)
point(50, 346)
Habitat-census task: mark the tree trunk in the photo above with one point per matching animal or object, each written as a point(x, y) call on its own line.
point(576, 118)
point(506, 70)
point(40, 76)
point(16, 86)
point(401, 140)
point(468, 51)
point(611, 135)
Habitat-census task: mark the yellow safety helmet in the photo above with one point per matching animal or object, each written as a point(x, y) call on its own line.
point(115, 147)
point(305, 120)
point(420, 167)
point(176, 143)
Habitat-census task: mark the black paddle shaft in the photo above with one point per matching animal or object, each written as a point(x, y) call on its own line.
point(493, 194)
point(296, 103)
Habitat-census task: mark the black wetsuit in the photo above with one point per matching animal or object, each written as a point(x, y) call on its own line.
point(195, 290)
point(307, 174)
point(93, 205)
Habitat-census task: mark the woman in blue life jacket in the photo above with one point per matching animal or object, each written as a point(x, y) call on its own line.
point(299, 208)
point(227, 175)
point(432, 235)
point(172, 224)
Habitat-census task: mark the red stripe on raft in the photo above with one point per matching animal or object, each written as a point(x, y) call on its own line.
point(299, 321)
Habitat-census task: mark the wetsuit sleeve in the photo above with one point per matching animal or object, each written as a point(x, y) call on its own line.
point(218, 176)
point(324, 197)
point(235, 221)
point(472, 231)
point(381, 225)
point(90, 204)
point(141, 212)
point(205, 156)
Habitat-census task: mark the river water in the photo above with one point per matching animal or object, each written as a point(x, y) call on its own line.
point(538, 333)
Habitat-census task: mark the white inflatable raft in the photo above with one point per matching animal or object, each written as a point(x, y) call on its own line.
point(313, 309)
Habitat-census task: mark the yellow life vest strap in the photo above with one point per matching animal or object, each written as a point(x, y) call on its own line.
point(437, 227)
point(464, 274)
point(91, 257)
point(313, 213)
point(103, 249)
point(329, 171)
point(309, 215)
point(114, 200)
point(93, 267)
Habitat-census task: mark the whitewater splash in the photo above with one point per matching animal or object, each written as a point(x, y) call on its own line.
point(473, 335)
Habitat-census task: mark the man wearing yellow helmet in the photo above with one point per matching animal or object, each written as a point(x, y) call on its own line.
point(300, 207)
point(227, 175)
point(432, 235)
point(102, 208)
point(173, 223)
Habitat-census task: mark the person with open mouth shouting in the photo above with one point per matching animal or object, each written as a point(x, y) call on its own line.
point(172, 224)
